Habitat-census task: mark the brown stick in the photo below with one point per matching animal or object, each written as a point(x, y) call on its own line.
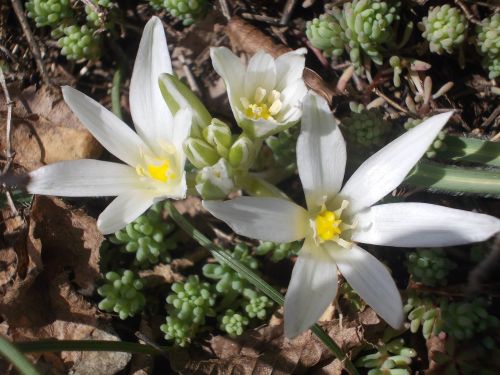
point(287, 11)
point(35, 50)
point(467, 12)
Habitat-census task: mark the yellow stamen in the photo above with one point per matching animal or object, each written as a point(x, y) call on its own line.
point(327, 225)
point(258, 111)
point(158, 169)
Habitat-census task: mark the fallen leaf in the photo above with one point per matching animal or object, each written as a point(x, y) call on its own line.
point(45, 130)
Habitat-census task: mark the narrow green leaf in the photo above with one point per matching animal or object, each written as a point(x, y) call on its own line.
point(12, 354)
point(470, 150)
point(223, 257)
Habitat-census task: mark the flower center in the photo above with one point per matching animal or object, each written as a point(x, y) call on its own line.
point(328, 226)
point(161, 169)
point(263, 105)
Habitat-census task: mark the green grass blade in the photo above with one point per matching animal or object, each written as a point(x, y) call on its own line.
point(222, 256)
point(20, 362)
point(470, 150)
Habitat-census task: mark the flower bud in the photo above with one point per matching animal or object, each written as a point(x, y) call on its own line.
point(177, 96)
point(218, 134)
point(200, 153)
point(215, 182)
point(242, 153)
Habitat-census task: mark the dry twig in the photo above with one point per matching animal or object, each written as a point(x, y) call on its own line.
point(467, 12)
point(287, 11)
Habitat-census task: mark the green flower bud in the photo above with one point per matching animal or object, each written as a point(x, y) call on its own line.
point(242, 153)
point(445, 28)
point(200, 153)
point(488, 44)
point(177, 96)
point(218, 134)
point(216, 181)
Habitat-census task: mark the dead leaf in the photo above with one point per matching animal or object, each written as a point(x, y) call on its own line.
point(45, 130)
point(250, 39)
point(266, 351)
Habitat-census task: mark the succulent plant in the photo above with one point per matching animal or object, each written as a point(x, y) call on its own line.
point(186, 10)
point(49, 12)
point(93, 18)
point(283, 146)
point(488, 43)
point(178, 330)
point(436, 146)
point(257, 306)
point(366, 128)
point(279, 251)
point(429, 266)
point(149, 237)
point(233, 323)
point(326, 34)
point(422, 312)
point(79, 42)
point(122, 293)
point(353, 298)
point(445, 28)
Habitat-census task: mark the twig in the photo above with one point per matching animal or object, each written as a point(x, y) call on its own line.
point(226, 12)
point(287, 11)
point(193, 85)
point(8, 151)
point(390, 101)
point(35, 50)
point(261, 18)
point(467, 12)
point(491, 117)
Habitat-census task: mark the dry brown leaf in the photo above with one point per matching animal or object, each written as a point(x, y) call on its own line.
point(248, 38)
point(265, 351)
point(44, 130)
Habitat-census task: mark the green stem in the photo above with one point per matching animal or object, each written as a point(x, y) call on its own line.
point(20, 362)
point(223, 257)
point(259, 187)
point(455, 179)
point(471, 150)
point(115, 93)
point(86, 345)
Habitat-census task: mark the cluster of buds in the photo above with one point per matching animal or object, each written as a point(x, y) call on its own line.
point(149, 237)
point(122, 294)
point(488, 43)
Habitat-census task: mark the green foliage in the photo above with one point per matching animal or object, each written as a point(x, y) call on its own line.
point(366, 128)
point(436, 146)
point(445, 28)
point(279, 251)
point(391, 357)
point(283, 146)
point(360, 27)
point(186, 10)
point(463, 320)
point(429, 266)
point(149, 237)
point(488, 43)
point(49, 12)
point(353, 298)
point(189, 303)
point(93, 17)
point(233, 323)
point(79, 42)
point(422, 312)
point(122, 294)
point(257, 306)
point(229, 280)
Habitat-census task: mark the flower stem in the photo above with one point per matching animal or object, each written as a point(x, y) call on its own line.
point(11, 353)
point(223, 257)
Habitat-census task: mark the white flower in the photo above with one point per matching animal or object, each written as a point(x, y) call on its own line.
point(154, 159)
point(265, 96)
point(337, 217)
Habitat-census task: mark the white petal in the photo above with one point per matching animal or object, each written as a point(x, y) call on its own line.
point(124, 209)
point(182, 127)
point(108, 129)
point(312, 287)
point(232, 71)
point(152, 118)
point(423, 225)
point(321, 153)
point(83, 178)
point(372, 281)
point(289, 68)
point(261, 72)
point(267, 219)
point(293, 95)
point(386, 169)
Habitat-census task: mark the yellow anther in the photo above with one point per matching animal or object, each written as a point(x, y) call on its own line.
point(260, 94)
point(275, 108)
point(159, 171)
point(327, 225)
point(258, 111)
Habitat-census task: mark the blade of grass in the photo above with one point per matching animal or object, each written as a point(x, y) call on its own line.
point(20, 362)
point(224, 257)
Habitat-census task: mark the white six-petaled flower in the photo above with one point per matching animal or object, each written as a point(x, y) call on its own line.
point(337, 217)
point(154, 157)
point(265, 96)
